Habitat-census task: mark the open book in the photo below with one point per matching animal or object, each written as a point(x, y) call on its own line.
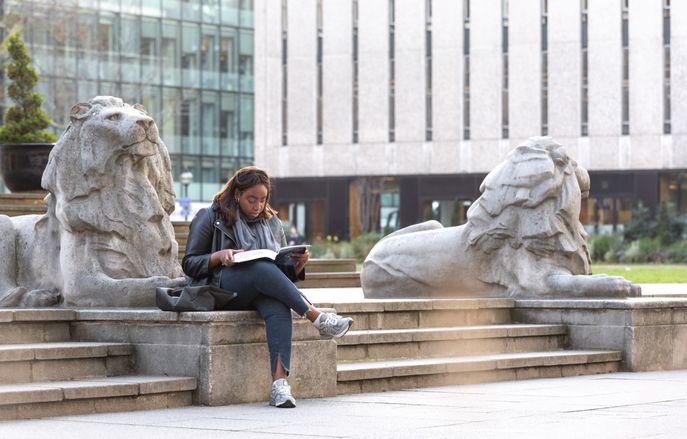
point(281, 258)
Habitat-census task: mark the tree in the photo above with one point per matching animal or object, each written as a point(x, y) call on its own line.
point(669, 225)
point(25, 122)
point(641, 224)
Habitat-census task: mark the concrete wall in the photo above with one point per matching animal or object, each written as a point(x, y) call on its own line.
point(604, 149)
point(651, 332)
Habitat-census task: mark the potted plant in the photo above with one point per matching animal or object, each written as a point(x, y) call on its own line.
point(25, 143)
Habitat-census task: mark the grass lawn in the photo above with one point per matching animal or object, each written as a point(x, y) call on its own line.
point(645, 273)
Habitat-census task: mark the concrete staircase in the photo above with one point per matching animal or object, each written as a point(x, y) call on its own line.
point(421, 343)
point(44, 373)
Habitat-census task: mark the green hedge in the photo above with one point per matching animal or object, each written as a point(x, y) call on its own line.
point(612, 248)
point(332, 248)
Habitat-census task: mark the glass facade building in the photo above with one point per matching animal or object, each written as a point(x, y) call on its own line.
point(190, 63)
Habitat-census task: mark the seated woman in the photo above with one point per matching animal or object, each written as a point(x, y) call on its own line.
point(240, 219)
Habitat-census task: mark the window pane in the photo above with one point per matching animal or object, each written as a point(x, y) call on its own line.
point(230, 12)
point(189, 122)
point(130, 48)
point(171, 74)
point(209, 133)
point(108, 47)
point(150, 34)
point(170, 113)
point(189, 54)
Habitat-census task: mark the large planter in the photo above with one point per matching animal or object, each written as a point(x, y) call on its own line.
point(22, 165)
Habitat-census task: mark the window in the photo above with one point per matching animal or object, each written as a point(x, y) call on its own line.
point(355, 70)
point(625, 92)
point(392, 71)
point(544, 68)
point(449, 212)
point(504, 62)
point(673, 190)
point(584, 87)
point(284, 73)
point(466, 69)
point(667, 126)
point(605, 214)
point(428, 70)
point(319, 72)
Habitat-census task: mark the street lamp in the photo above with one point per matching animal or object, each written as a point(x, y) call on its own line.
point(185, 178)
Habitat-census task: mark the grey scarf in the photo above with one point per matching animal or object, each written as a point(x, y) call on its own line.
point(254, 234)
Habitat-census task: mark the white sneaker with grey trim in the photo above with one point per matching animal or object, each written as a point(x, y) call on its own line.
point(280, 396)
point(332, 325)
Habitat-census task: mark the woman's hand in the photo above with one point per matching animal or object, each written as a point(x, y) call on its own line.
point(301, 260)
point(225, 257)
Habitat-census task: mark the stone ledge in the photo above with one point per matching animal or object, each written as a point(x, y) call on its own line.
point(427, 366)
point(93, 388)
point(61, 350)
point(630, 303)
point(9, 315)
point(391, 305)
point(451, 333)
point(651, 332)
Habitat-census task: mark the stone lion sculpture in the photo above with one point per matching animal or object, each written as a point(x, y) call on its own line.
point(523, 238)
point(106, 239)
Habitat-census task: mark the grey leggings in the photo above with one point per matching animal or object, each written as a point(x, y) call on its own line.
point(262, 286)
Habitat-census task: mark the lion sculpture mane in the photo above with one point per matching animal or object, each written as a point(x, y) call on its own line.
point(106, 239)
point(523, 238)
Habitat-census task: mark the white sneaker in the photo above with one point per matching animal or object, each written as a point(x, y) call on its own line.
point(280, 396)
point(332, 325)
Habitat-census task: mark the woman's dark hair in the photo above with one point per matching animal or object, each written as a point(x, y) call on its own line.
point(243, 179)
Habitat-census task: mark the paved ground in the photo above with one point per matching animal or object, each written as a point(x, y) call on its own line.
point(623, 405)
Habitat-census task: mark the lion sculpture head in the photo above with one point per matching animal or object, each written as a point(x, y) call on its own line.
point(523, 238)
point(106, 238)
point(110, 174)
point(531, 202)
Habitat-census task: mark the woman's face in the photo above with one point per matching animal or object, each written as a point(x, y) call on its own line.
point(253, 200)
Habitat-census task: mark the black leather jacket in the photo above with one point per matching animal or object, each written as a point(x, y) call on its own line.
point(209, 234)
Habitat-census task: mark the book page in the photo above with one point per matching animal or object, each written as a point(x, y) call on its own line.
point(252, 255)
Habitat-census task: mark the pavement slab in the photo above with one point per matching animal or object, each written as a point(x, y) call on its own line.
point(621, 405)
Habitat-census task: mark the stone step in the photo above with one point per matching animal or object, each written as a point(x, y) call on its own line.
point(35, 325)
point(27, 209)
point(424, 313)
point(330, 280)
point(378, 376)
point(102, 395)
point(22, 198)
point(330, 266)
point(34, 362)
point(441, 342)
point(181, 226)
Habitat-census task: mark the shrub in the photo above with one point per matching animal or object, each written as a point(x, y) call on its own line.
point(677, 252)
point(332, 248)
point(25, 122)
point(601, 245)
point(644, 250)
